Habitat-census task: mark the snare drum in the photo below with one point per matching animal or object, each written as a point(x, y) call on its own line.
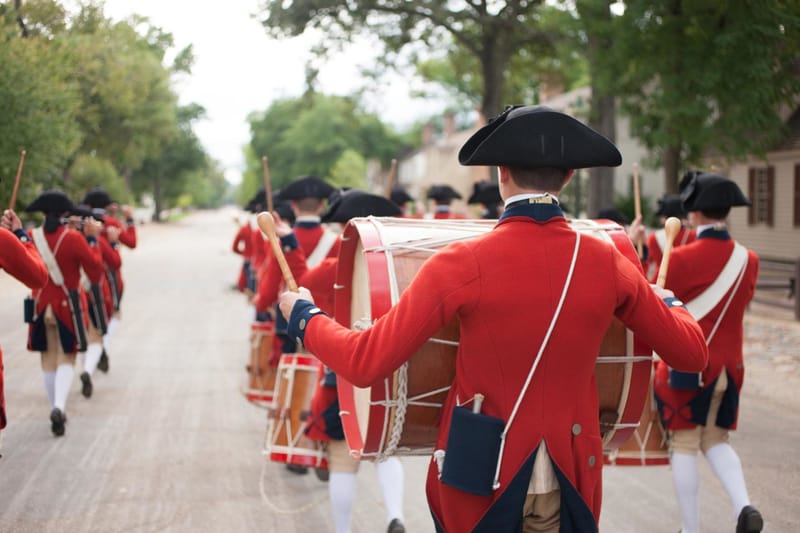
point(294, 389)
point(400, 415)
point(648, 445)
point(261, 374)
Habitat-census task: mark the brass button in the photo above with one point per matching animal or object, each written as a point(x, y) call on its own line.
point(591, 460)
point(576, 429)
point(302, 324)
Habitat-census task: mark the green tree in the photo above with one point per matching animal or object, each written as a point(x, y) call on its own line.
point(491, 30)
point(309, 135)
point(39, 104)
point(706, 76)
point(90, 171)
point(350, 170)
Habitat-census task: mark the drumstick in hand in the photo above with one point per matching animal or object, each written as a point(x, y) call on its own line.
point(637, 204)
point(267, 225)
point(16, 181)
point(671, 227)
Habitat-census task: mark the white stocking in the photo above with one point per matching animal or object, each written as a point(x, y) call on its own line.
point(342, 488)
point(50, 387)
point(684, 477)
point(92, 357)
point(63, 382)
point(113, 324)
point(726, 465)
point(390, 476)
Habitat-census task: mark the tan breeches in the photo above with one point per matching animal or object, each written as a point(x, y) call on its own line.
point(54, 355)
point(690, 441)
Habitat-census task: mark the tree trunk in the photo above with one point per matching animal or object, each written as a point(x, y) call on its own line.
point(601, 179)
point(493, 64)
point(157, 197)
point(671, 160)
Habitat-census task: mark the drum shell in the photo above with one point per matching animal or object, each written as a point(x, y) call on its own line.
point(261, 372)
point(370, 278)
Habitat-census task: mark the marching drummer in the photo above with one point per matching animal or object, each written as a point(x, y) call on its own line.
point(443, 196)
point(533, 301)
point(487, 194)
point(326, 424)
point(669, 205)
point(716, 277)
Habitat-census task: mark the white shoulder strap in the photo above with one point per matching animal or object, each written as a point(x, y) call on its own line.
point(702, 304)
point(661, 238)
point(48, 256)
point(323, 247)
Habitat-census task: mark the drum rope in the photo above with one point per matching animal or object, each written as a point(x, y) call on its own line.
point(399, 414)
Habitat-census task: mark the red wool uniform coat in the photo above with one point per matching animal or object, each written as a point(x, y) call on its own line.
point(308, 236)
point(504, 288)
point(22, 261)
point(243, 245)
point(692, 269)
point(112, 262)
point(73, 254)
point(127, 233)
point(655, 253)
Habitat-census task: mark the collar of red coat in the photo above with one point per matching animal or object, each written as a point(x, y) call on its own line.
point(538, 212)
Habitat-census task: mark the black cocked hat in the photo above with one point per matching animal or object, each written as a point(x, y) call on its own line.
point(443, 193)
point(671, 205)
point(307, 187)
point(612, 213)
point(399, 196)
point(537, 136)
point(711, 191)
point(97, 197)
point(51, 202)
point(355, 203)
point(485, 192)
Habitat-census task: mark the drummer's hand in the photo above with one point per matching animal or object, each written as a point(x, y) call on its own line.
point(287, 300)
point(282, 227)
point(636, 231)
point(662, 292)
point(91, 228)
point(10, 220)
point(113, 234)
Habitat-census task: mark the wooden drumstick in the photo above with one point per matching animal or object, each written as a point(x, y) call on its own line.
point(16, 181)
point(267, 185)
point(637, 203)
point(267, 225)
point(671, 227)
point(391, 178)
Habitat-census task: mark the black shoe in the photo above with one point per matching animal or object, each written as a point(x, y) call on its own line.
point(86, 388)
point(57, 421)
point(396, 526)
point(750, 520)
point(297, 469)
point(322, 474)
point(102, 364)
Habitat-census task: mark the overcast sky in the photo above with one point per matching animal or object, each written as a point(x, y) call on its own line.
point(238, 69)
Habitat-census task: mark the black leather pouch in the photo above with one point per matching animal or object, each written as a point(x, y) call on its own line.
point(473, 447)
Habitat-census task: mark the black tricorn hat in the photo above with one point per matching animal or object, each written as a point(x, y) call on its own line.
point(97, 197)
point(52, 201)
point(687, 178)
point(537, 136)
point(711, 191)
point(399, 196)
point(671, 205)
point(612, 213)
point(354, 203)
point(307, 187)
point(442, 193)
point(485, 192)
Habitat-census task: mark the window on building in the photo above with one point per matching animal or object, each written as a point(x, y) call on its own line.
point(761, 188)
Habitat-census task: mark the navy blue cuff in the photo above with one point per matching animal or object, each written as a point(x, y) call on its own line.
point(302, 313)
point(92, 240)
point(289, 243)
point(114, 245)
point(674, 302)
point(130, 222)
point(22, 235)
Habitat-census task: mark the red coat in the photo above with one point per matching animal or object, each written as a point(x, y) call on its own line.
point(127, 233)
point(269, 285)
point(22, 261)
point(242, 242)
point(692, 269)
point(655, 253)
point(504, 288)
point(73, 254)
point(112, 261)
